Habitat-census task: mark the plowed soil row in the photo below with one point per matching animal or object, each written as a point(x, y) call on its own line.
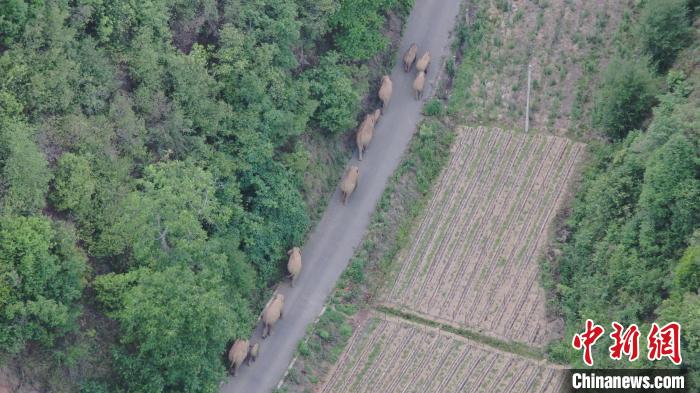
point(388, 354)
point(473, 258)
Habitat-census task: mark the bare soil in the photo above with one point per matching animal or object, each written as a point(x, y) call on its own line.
point(389, 354)
point(473, 260)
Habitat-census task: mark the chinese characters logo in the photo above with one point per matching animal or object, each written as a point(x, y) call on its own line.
point(662, 342)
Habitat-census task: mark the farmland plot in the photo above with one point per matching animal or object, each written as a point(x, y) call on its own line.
point(473, 258)
point(388, 354)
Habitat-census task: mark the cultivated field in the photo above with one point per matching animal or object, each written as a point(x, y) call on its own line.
point(388, 354)
point(567, 42)
point(472, 260)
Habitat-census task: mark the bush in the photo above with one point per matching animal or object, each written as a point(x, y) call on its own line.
point(625, 97)
point(664, 29)
point(41, 277)
point(73, 183)
point(433, 108)
point(24, 172)
point(687, 271)
point(304, 349)
point(339, 100)
point(358, 25)
point(356, 271)
point(175, 325)
point(324, 334)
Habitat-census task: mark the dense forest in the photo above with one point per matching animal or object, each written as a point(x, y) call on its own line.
point(152, 164)
point(630, 249)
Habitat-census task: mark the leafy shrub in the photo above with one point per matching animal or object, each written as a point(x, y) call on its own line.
point(356, 271)
point(433, 108)
point(358, 26)
point(634, 216)
point(304, 349)
point(687, 271)
point(345, 331)
point(324, 334)
point(664, 29)
point(625, 97)
point(24, 172)
point(74, 183)
point(41, 277)
point(174, 326)
point(339, 101)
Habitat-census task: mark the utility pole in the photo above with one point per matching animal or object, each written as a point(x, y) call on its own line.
point(527, 101)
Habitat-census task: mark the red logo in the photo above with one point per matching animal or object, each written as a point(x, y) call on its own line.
point(665, 342)
point(586, 340)
point(626, 342)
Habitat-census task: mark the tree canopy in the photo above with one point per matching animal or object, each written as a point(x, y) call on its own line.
point(162, 144)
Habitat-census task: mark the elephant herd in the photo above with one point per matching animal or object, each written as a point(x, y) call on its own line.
point(366, 130)
point(243, 350)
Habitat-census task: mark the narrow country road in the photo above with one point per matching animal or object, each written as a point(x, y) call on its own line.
point(340, 230)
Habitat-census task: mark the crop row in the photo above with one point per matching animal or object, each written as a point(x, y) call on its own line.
point(473, 258)
point(388, 354)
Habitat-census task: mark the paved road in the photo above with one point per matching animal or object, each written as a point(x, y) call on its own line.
point(332, 243)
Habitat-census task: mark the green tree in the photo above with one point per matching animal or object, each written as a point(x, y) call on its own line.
point(165, 220)
point(635, 213)
point(24, 173)
point(314, 16)
point(333, 87)
point(74, 183)
point(12, 20)
point(41, 277)
point(687, 271)
point(664, 29)
point(175, 325)
point(277, 219)
point(358, 28)
point(684, 308)
point(625, 98)
point(668, 210)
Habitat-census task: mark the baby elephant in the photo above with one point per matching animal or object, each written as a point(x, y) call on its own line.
point(409, 57)
point(418, 85)
point(237, 354)
point(253, 351)
point(423, 62)
point(272, 313)
point(349, 182)
point(385, 91)
point(294, 263)
point(366, 131)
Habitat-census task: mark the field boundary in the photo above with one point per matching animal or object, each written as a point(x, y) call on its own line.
point(492, 343)
point(479, 356)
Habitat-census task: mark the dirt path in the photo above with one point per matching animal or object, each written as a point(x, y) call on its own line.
point(341, 228)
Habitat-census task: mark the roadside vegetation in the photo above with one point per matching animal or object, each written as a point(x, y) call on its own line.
point(156, 161)
point(629, 248)
point(401, 203)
